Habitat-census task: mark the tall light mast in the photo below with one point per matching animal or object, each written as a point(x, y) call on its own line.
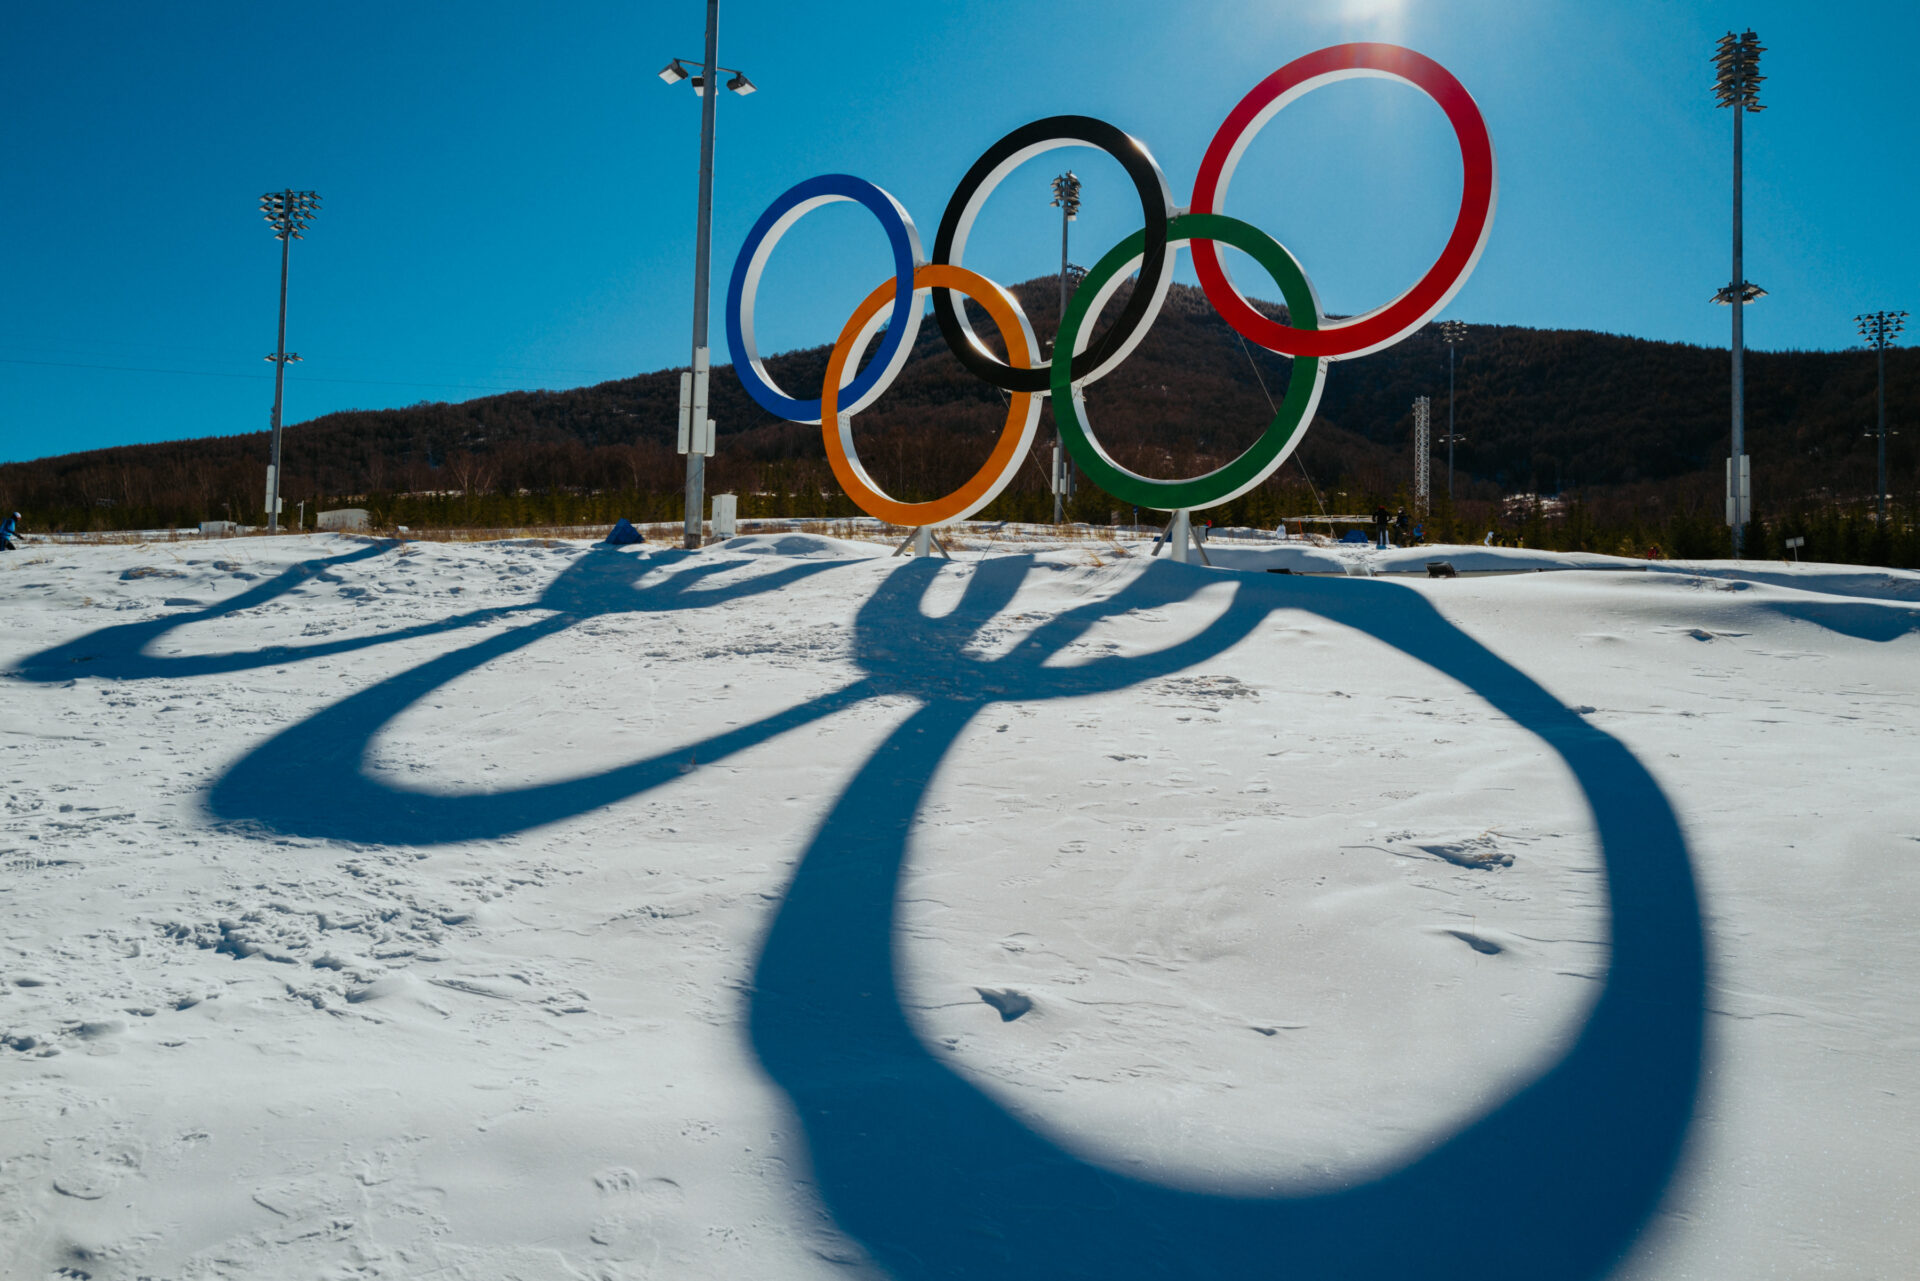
point(1736, 84)
point(1066, 195)
point(1880, 328)
point(696, 429)
point(1452, 333)
point(289, 213)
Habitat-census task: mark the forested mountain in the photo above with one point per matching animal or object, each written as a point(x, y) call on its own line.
point(1638, 429)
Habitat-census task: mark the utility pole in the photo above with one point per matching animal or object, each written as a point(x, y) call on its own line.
point(1737, 84)
point(1066, 195)
point(1880, 328)
point(289, 213)
point(1451, 333)
point(696, 428)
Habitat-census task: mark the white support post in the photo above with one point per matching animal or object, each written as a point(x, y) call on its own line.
point(920, 542)
point(1180, 535)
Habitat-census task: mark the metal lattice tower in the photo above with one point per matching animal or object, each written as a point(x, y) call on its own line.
point(1422, 453)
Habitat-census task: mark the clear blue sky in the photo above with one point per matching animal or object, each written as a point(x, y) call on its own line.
point(509, 191)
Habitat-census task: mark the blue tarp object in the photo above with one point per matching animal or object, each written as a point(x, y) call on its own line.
point(1356, 536)
point(624, 534)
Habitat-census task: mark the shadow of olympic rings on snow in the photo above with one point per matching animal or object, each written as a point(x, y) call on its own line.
point(935, 1179)
point(311, 779)
point(119, 651)
point(601, 581)
point(927, 1172)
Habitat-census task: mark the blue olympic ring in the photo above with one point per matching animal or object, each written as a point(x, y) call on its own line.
point(795, 203)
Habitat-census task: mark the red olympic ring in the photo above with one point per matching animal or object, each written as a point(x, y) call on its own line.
point(1384, 326)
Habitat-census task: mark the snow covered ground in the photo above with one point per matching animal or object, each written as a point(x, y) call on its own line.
point(786, 910)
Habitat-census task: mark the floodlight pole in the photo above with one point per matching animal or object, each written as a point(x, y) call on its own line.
point(1451, 332)
point(702, 255)
point(1739, 340)
point(696, 428)
point(1880, 352)
point(1066, 194)
point(1449, 422)
point(1880, 328)
point(279, 386)
point(288, 212)
point(1737, 85)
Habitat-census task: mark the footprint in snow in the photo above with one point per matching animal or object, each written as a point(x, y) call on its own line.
point(1479, 853)
point(615, 1180)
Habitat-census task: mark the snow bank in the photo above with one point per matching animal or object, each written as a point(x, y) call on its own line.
point(1810, 576)
point(802, 547)
point(1472, 558)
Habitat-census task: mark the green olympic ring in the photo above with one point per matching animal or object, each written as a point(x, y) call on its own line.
point(1264, 457)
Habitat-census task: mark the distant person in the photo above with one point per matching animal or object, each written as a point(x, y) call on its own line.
point(9, 530)
point(1488, 540)
point(1380, 523)
point(1401, 524)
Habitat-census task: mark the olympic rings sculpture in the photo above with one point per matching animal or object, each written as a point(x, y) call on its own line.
point(1078, 358)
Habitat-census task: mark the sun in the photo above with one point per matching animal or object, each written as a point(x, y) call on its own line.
point(1383, 16)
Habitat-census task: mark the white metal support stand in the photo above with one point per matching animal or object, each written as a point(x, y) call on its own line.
point(1178, 539)
point(921, 542)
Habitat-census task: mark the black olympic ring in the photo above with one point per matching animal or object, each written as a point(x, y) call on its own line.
point(1156, 264)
